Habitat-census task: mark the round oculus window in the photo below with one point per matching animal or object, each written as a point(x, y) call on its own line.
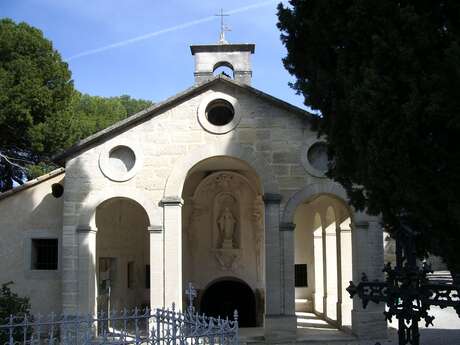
point(122, 159)
point(220, 112)
point(317, 156)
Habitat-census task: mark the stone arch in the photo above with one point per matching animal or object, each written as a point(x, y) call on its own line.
point(223, 64)
point(224, 295)
point(225, 67)
point(87, 216)
point(329, 217)
point(330, 188)
point(176, 179)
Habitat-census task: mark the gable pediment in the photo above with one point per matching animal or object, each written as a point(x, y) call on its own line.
point(171, 102)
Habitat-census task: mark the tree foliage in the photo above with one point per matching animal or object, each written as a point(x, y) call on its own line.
point(35, 86)
point(85, 116)
point(40, 112)
point(12, 304)
point(385, 76)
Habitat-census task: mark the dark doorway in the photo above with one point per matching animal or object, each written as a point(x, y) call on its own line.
point(224, 297)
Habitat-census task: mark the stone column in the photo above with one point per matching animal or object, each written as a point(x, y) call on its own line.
point(172, 220)
point(346, 275)
point(318, 294)
point(278, 326)
point(331, 273)
point(338, 245)
point(287, 268)
point(367, 241)
point(157, 267)
point(87, 283)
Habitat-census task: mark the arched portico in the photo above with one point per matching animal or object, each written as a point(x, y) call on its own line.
point(359, 232)
point(87, 229)
point(279, 318)
point(87, 215)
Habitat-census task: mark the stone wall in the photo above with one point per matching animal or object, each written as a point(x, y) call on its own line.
point(26, 215)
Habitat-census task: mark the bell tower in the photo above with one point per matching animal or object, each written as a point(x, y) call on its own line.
point(209, 57)
point(236, 57)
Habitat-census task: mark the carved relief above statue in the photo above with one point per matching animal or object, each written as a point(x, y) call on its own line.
point(221, 182)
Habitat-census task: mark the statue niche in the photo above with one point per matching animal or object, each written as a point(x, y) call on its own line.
point(227, 221)
point(226, 216)
point(227, 230)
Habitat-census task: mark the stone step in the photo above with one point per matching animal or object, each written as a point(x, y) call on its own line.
point(303, 305)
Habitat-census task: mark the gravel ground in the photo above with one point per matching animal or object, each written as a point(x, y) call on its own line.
point(446, 329)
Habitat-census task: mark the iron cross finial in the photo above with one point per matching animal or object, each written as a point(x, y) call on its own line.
point(191, 294)
point(223, 28)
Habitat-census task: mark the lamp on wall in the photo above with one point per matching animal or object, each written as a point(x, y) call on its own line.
point(57, 190)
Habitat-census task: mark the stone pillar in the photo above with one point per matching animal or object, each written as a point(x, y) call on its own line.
point(367, 241)
point(172, 220)
point(157, 292)
point(331, 273)
point(346, 276)
point(287, 268)
point(325, 268)
point(338, 245)
point(87, 283)
point(318, 295)
point(277, 326)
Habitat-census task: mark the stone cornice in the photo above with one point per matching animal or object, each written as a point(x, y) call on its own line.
point(85, 229)
point(362, 225)
point(155, 229)
point(272, 198)
point(287, 226)
point(171, 201)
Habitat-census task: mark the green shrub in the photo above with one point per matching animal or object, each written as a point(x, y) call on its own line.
point(12, 304)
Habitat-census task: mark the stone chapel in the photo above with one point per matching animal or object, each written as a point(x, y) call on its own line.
point(221, 185)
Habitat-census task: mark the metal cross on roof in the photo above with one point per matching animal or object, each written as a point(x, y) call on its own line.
point(191, 294)
point(223, 28)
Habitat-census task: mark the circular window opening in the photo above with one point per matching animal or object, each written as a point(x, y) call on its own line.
point(317, 156)
point(122, 159)
point(220, 112)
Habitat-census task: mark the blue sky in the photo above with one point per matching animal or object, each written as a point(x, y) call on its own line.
point(160, 65)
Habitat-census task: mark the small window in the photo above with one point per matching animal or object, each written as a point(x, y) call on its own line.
point(301, 278)
point(220, 112)
point(130, 274)
point(44, 254)
point(147, 276)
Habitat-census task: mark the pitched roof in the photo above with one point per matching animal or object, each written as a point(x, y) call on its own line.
point(32, 183)
point(157, 107)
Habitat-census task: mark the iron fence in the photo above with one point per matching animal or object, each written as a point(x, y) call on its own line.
point(156, 327)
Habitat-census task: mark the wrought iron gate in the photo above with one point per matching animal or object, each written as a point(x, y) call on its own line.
point(156, 327)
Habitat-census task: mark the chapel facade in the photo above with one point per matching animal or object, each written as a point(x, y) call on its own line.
point(222, 186)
